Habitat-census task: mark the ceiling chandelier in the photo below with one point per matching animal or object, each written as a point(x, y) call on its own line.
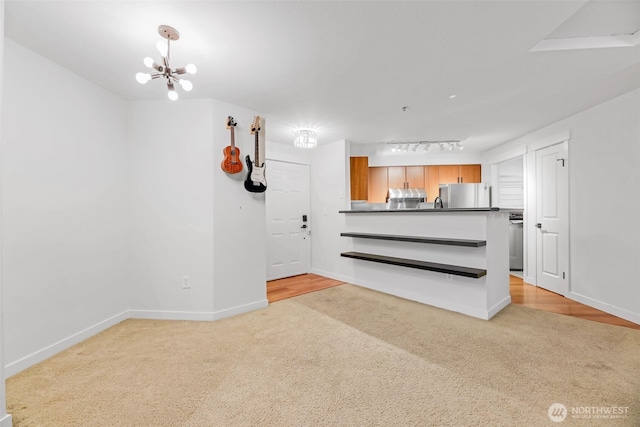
point(448, 145)
point(164, 69)
point(305, 138)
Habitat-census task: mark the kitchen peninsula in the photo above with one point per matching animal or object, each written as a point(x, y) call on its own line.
point(456, 259)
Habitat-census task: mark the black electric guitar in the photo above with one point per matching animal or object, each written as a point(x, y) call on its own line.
point(255, 181)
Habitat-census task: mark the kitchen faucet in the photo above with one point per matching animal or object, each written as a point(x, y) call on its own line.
point(435, 203)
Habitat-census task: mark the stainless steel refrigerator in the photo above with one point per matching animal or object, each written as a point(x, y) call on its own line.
point(465, 195)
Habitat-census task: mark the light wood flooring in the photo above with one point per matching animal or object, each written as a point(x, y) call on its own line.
point(521, 294)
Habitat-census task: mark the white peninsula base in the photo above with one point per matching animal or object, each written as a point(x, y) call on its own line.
point(456, 259)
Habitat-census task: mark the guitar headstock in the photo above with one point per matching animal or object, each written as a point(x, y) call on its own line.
point(230, 122)
point(255, 126)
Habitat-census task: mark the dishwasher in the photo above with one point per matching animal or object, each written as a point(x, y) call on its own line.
point(515, 241)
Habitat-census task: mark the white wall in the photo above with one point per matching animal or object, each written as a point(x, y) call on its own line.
point(329, 187)
point(240, 275)
point(604, 198)
point(288, 153)
point(5, 420)
point(171, 159)
point(64, 208)
point(189, 217)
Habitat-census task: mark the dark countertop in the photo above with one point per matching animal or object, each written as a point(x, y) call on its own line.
point(445, 210)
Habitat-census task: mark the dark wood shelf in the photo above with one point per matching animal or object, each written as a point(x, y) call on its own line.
point(415, 239)
point(455, 270)
point(430, 210)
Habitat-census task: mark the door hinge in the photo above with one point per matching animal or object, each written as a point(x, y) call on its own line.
point(564, 275)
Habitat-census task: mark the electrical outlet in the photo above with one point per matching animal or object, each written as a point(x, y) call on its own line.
point(185, 282)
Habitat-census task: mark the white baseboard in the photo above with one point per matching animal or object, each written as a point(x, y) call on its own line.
point(55, 348)
point(330, 275)
point(171, 315)
point(6, 421)
point(499, 306)
point(197, 315)
point(607, 308)
point(51, 350)
point(233, 311)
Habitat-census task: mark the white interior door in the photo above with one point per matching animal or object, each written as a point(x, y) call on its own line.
point(288, 235)
point(552, 218)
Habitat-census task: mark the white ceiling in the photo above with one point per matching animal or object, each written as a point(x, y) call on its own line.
point(348, 67)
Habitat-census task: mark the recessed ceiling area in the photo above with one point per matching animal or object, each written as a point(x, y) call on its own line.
point(599, 18)
point(346, 68)
point(598, 24)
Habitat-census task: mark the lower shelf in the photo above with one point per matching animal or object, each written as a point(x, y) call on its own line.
point(455, 270)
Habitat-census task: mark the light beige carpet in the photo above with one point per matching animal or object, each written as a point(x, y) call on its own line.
point(343, 356)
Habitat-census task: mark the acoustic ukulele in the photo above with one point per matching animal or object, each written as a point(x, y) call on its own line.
point(231, 163)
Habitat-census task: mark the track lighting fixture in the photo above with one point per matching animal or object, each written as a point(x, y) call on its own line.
point(448, 145)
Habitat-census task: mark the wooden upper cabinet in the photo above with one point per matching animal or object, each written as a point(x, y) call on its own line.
point(470, 173)
point(396, 177)
point(406, 176)
point(455, 174)
point(428, 177)
point(359, 178)
point(414, 176)
point(378, 178)
point(448, 174)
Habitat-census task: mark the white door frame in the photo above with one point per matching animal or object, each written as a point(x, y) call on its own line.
point(530, 230)
point(552, 226)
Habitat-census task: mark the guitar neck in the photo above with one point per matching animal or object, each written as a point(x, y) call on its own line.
point(257, 160)
point(233, 138)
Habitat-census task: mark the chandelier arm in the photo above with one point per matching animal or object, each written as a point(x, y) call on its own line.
point(155, 76)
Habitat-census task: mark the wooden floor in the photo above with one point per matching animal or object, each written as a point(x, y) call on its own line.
point(521, 294)
point(297, 285)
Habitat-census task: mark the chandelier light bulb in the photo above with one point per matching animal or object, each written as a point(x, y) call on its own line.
point(186, 84)
point(163, 48)
point(163, 70)
point(142, 78)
